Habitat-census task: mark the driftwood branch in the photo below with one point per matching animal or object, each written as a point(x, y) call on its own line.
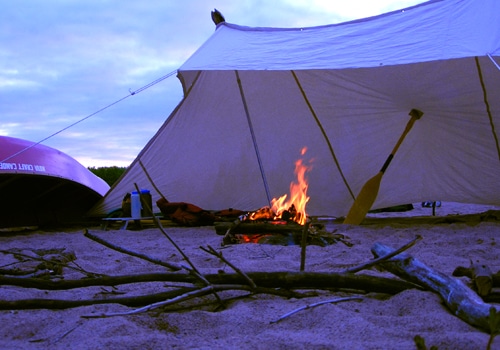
point(385, 257)
point(460, 299)
point(279, 283)
point(287, 280)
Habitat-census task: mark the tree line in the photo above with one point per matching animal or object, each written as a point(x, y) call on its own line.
point(109, 174)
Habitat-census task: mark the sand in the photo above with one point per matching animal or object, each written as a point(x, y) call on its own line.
point(378, 321)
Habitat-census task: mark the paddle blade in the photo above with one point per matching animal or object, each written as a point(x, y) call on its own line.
point(364, 200)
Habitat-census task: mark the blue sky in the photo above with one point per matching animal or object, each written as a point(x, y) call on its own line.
point(63, 60)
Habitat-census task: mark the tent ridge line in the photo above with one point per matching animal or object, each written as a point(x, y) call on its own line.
point(330, 147)
point(487, 104)
point(254, 139)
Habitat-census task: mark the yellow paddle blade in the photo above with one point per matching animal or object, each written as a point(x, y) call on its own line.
point(364, 200)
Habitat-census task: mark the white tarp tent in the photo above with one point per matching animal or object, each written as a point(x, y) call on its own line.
point(255, 96)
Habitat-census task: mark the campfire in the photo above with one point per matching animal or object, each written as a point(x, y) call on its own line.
point(284, 222)
point(293, 208)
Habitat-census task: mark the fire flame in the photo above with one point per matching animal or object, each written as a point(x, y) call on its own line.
point(295, 206)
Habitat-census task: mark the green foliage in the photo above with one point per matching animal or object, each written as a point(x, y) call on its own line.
point(420, 343)
point(108, 174)
point(494, 323)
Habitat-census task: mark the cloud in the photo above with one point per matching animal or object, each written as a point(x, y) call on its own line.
point(64, 60)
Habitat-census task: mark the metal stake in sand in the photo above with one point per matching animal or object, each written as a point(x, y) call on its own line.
point(369, 192)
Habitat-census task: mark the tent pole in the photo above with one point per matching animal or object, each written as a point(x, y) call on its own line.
point(487, 104)
point(254, 139)
point(330, 147)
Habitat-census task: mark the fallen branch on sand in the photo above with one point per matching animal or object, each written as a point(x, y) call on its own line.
point(193, 285)
point(278, 283)
point(460, 299)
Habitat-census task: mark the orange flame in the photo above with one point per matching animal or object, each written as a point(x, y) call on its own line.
point(296, 205)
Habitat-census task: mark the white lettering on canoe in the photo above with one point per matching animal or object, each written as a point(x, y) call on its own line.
point(23, 166)
point(8, 166)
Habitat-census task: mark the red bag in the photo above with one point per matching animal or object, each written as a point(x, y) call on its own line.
point(185, 214)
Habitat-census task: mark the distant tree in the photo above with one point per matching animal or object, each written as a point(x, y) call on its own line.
point(109, 174)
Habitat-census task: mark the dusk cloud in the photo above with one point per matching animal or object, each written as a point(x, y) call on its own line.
point(61, 61)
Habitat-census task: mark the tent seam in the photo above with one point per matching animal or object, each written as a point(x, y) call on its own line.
point(487, 104)
point(320, 126)
point(254, 139)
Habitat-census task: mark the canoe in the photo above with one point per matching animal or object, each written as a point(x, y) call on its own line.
point(41, 186)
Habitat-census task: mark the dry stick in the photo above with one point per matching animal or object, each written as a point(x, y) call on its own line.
point(151, 180)
point(305, 231)
point(158, 224)
point(193, 269)
point(183, 297)
point(385, 257)
point(212, 251)
point(171, 266)
point(78, 324)
point(310, 306)
point(186, 296)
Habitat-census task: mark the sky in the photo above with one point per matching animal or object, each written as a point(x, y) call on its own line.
point(68, 67)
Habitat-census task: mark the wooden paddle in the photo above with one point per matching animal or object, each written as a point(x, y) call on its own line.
point(368, 193)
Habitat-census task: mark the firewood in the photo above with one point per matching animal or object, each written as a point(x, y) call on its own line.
point(258, 227)
point(460, 299)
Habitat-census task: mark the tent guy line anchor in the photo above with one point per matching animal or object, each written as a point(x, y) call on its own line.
point(369, 191)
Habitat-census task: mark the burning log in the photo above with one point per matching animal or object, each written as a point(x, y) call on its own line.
point(277, 232)
point(258, 227)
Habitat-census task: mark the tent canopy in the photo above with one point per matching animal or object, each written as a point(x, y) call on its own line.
point(254, 97)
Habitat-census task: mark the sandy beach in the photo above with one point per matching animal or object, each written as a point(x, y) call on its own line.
point(376, 321)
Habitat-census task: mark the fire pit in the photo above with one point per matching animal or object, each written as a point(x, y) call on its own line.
point(285, 222)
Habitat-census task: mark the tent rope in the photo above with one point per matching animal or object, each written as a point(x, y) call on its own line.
point(131, 93)
point(487, 104)
point(323, 131)
point(494, 62)
point(254, 139)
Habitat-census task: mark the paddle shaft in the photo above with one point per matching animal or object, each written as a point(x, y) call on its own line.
point(415, 114)
point(369, 191)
